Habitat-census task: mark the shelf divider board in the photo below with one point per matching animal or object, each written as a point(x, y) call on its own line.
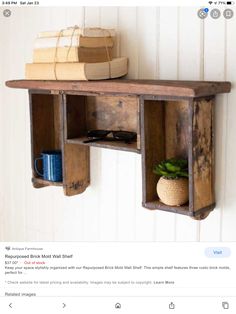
point(201, 153)
point(76, 170)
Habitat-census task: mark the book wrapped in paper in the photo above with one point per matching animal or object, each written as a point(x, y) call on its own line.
point(77, 71)
point(72, 54)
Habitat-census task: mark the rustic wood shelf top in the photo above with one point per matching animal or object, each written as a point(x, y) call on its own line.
point(123, 86)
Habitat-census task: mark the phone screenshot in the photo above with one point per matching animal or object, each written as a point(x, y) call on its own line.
point(117, 157)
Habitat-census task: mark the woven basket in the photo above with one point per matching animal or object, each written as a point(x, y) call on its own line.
point(173, 192)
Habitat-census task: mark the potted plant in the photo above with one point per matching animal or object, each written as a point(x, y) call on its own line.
point(172, 187)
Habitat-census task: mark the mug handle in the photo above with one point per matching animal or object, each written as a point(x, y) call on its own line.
point(36, 166)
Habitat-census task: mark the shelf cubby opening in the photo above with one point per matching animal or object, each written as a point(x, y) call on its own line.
point(171, 129)
point(47, 133)
point(165, 126)
point(45, 127)
point(84, 113)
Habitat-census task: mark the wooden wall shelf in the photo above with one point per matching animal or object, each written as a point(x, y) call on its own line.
point(171, 119)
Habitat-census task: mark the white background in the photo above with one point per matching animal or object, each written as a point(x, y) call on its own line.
point(161, 43)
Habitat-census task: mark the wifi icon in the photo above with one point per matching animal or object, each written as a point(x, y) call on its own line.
point(210, 2)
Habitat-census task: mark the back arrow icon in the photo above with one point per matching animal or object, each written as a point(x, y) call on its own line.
point(63, 305)
point(10, 305)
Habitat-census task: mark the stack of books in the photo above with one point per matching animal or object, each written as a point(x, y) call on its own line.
point(76, 54)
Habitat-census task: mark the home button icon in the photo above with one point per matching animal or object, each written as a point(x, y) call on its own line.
point(118, 306)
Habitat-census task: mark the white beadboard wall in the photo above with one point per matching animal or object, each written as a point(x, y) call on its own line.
point(161, 43)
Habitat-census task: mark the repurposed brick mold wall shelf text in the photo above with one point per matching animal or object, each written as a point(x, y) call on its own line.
point(171, 119)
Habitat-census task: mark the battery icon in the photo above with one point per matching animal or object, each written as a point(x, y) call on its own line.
point(230, 2)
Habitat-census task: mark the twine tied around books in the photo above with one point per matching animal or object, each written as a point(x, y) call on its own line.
point(71, 38)
point(74, 28)
point(107, 51)
point(55, 56)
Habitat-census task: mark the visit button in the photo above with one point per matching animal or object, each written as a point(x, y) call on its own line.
point(217, 252)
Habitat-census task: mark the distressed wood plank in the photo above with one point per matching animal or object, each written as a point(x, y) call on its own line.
point(76, 170)
point(112, 113)
point(176, 125)
point(203, 154)
point(137, 87)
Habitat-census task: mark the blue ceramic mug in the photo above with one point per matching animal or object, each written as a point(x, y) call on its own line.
point(51, 164)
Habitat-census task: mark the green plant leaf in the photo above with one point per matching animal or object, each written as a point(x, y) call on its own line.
point(172, 168)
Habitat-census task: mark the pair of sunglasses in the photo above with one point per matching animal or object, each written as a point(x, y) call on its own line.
point(102, 135)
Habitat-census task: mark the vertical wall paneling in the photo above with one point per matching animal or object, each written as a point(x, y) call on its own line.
point(168, 43)
point(214, 69)
point(189, 44)
point(92, 16)
point(147, 42)
point(58, 17)
point(129, 38)
point(75, 17)
point(126, 202)
point(110, 19)
point(92, 196)
point(108, 220)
